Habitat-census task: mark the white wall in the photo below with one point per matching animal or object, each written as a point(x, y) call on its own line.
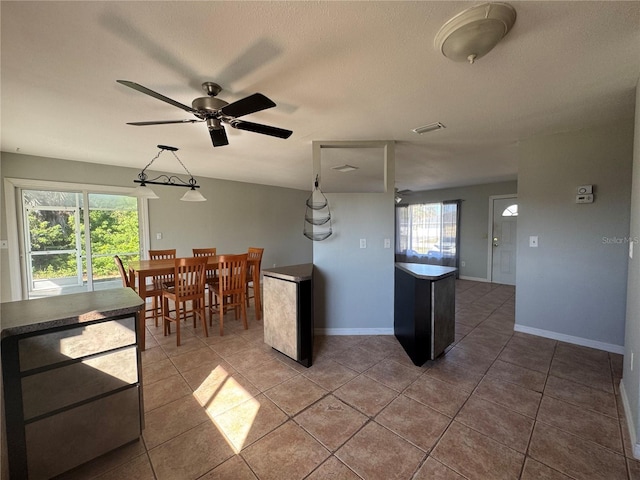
point(573, 286)
point(630, 386)
point(354, 286)
point(235, 216)
point(474, 220)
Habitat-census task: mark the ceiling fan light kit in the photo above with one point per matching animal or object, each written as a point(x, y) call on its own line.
point(216, 112)
point(142, 191)
point(472, 34)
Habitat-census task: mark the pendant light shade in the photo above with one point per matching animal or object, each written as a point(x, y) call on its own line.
point(142, 191)
point(193, 195)
point(472, 34)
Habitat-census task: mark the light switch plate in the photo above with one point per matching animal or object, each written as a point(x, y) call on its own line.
point(363, 243)
point(4, 244)
point(387, 243)
point(533, 241)
point(158, 236)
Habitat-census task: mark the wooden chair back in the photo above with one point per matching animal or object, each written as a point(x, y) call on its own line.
point(162, 254)
point(189, 277)
point(123, 274)
point(204, 252)
point(232, 274)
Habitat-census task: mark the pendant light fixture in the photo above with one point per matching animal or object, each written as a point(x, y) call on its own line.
point(472, 34)
point(142, 191)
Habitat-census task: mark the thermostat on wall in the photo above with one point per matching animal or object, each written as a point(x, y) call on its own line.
point(585, 189)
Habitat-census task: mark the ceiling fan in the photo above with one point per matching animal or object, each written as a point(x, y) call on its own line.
point(215, 112)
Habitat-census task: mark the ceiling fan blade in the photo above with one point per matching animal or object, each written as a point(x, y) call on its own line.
point(245, 106)
point(164, 122)
point(157, 95)
point(219, 137)
point(263, 129)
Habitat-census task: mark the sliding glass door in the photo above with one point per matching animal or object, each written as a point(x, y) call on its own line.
point(70, 238)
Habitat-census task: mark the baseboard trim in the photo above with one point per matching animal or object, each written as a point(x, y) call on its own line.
point(353, 331)
point(584, 342)
point(474, 279)
point(630, 424)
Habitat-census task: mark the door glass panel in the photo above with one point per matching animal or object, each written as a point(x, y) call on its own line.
point(114, 231)
point(56, 257)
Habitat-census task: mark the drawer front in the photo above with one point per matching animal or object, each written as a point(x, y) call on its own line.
point(60, 387)
point(61, 442)
point(55, 347)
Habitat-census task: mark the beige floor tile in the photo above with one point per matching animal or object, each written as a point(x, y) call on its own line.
point(191, 454)
point(164, 391)
point(584, 423)
point(476, 456)
point(495, 421)
point(458, 375)
point(634, 469)
point(379, 345)
point(393, 375)
point(152, 354)
point(509, 395)
point(581, 395)
point(172, 419)
point(137, 469)
point(158, 370)
point(374, 453)
point(269, 374)
point(295, 394)
point(357, 358)
point(287, 452)
point(233, 469)
point(331, 421)
point(188, 343)
point(479, 346)
point(534, 470)
point(508, 372)
point(431, 469)
point(439, 395)
point(413, 421)
point(249, 421)
point(333, 468)
point(574, 456)
point(196, 358)
point(573, 369)
point(329, 375)
point(467, 358)
point(532, 342)
point(222, 391)
point(366, 395)
point(539, 360)
point(228, 345)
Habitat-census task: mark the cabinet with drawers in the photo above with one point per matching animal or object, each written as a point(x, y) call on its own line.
point(71, 379)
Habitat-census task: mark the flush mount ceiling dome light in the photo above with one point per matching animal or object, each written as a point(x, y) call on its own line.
point(474, 32)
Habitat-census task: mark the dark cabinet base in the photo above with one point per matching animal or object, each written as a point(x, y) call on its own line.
point(424, 314)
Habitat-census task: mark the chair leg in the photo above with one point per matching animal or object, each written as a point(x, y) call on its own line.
point(203, 316)
point(154, 307)
point(178, 321)
point(244, 313)
point(221, 310)
point(165, 323)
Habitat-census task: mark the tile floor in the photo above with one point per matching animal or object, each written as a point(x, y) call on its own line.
point(497, 405)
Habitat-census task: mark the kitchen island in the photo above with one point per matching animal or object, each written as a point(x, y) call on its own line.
point(71, 378)
point(424, 309)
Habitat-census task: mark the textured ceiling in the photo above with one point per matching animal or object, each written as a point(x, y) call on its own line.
point(337, 71)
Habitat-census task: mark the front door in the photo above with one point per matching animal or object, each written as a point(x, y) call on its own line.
point(504, 236)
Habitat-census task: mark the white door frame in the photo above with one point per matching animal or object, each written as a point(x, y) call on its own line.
point(13, 214)
point(490, 230)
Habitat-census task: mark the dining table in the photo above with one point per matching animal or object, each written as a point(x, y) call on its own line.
point(141, 270)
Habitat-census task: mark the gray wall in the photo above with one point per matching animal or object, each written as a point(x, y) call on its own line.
point(474, 220)
point(630, 387)
point(354, 286)
point(574, 284)
point(235, 216)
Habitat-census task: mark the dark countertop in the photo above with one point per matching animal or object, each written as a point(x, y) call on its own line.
point(426, 272)
point(291, 273)
point(26, 316)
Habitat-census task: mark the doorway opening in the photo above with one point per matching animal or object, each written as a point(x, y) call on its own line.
point(503, 224)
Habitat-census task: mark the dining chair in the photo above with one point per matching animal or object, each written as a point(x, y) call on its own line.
point(189, 284)
point(211, 273)
point(159, 280)
point(231, 287)
point(253, 274)
point(155, 311)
